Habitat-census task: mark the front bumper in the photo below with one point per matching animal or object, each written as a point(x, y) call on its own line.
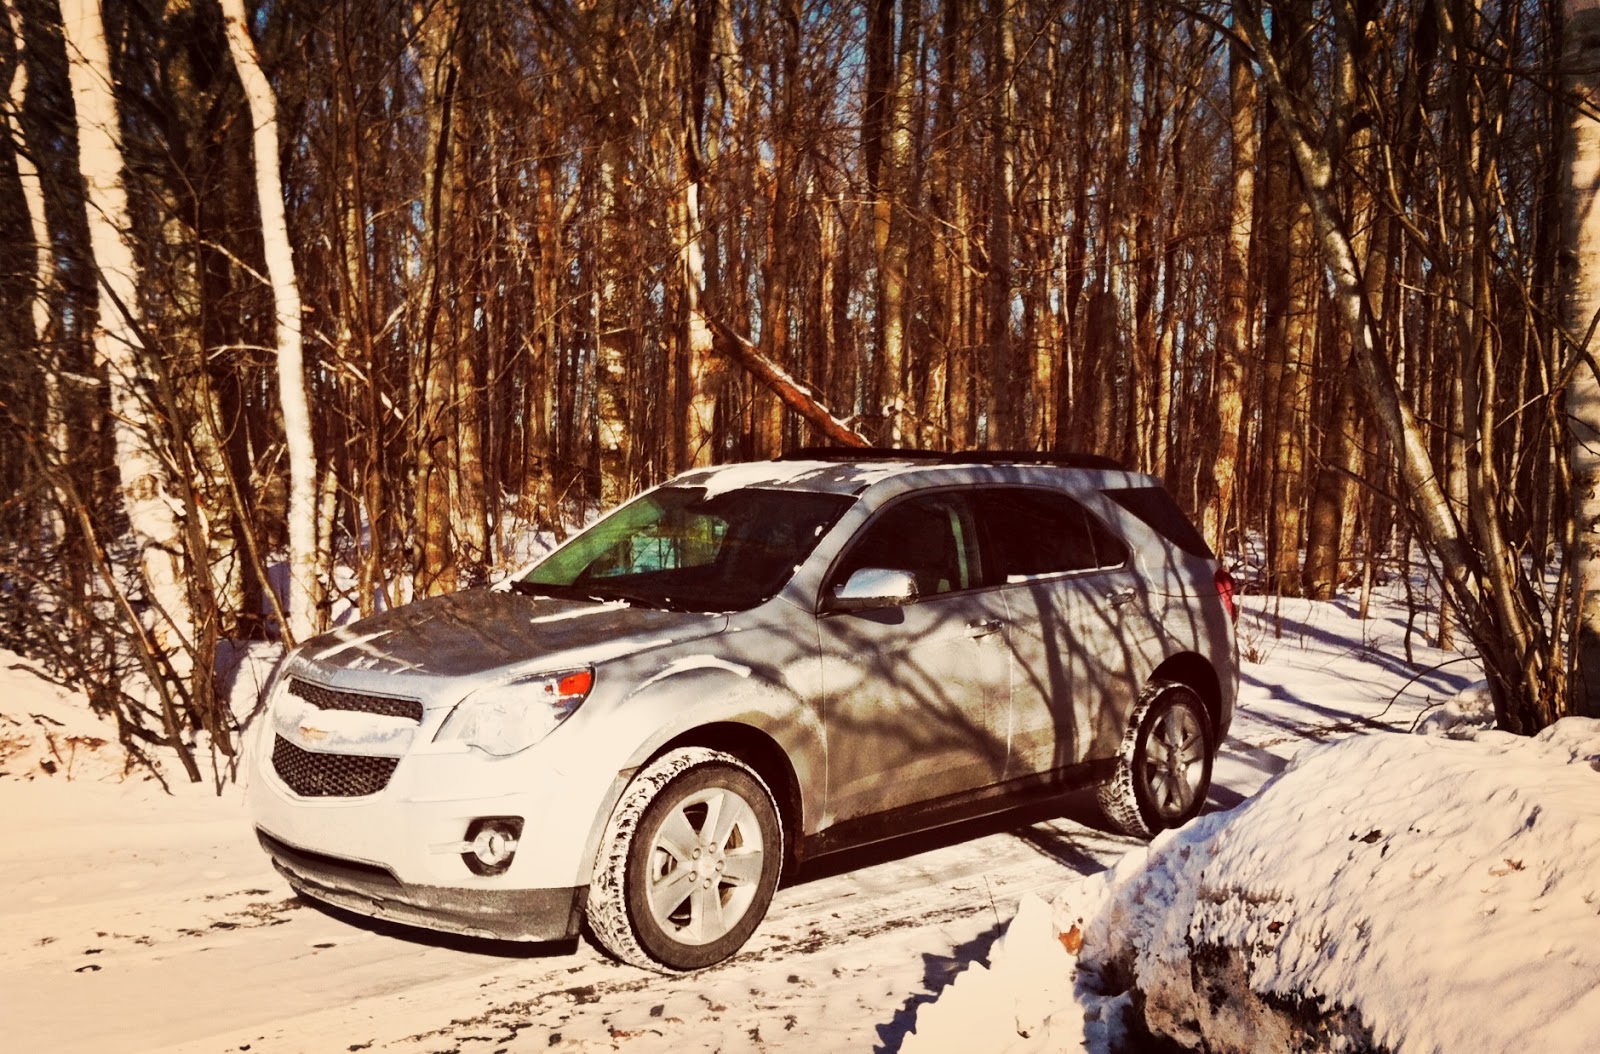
point(550, 914)
point(398, 853)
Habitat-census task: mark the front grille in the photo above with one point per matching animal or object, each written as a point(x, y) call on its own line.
point(313, 775)
point(355, 702)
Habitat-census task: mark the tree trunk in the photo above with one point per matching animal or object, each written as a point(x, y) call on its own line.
point(1581, 62)
point(891, 217)
point(147, 490)
point(702, 368)
point(148, 495)
point(1289, 327)
point(1007, 387)
point(796, 395)
point(53, 521)
point(304, 594)
point(434, 372)
point(1234, 347)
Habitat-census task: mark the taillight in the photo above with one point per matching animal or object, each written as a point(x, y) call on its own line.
point(1225, 590)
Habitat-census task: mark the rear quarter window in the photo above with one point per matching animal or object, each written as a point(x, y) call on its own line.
point(1161, 514)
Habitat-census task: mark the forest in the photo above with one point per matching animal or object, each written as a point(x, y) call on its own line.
point(317, 305)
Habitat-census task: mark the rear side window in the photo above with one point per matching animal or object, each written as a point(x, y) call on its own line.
point(1041, 532)
point(1161, 514)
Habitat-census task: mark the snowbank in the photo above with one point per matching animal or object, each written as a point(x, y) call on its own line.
point(1386, 892)
point(49, 732)
point(52, 734)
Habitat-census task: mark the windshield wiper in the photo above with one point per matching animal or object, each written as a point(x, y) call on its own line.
point(598, 594)
point(634, 599)
point(555, 591)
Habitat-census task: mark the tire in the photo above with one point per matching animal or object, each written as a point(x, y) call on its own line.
point(1164, 766)
point(688, 864)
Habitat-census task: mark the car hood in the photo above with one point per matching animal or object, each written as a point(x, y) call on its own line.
point(480, 630)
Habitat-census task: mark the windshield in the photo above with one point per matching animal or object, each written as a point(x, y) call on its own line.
point(676, 548)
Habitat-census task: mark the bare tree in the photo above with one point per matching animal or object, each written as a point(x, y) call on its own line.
point(1484, 580)
point(304, 593)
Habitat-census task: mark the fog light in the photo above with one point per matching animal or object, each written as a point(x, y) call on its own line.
point(492, 842)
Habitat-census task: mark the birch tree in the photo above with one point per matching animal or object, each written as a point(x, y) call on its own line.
point(303, 592)
point(147, 489)
point(1581, 64)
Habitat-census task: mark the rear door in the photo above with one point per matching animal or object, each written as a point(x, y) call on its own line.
point(1079, 625)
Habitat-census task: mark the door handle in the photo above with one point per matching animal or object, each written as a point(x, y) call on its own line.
point(982, 627)
point(1119, 597)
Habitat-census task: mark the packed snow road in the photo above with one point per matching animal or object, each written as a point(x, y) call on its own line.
point(133, 921)
point(175, 935)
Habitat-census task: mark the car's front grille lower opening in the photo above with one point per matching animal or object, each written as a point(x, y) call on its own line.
point(313, 775)
point(323, 866)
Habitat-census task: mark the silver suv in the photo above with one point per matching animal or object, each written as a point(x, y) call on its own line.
point(740, 670)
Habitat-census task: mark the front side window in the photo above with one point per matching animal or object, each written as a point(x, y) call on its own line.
point(677, 548)
point(1030, 533)
point(932, 537)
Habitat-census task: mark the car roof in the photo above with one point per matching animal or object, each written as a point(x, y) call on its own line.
point(886, 477)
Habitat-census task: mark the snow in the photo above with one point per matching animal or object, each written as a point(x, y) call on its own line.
point(1463, 717)
point(755, 474)
point(1444, 888)
point(49, 733)
point(579, 612)
point(341, 731)
point(722, 479)
point(1404, 883)
point(693, 662)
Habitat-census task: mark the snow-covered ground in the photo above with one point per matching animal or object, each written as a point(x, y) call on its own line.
point(137, 921)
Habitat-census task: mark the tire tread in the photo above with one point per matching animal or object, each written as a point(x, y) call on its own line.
point(607, 910)
point(1118, 797)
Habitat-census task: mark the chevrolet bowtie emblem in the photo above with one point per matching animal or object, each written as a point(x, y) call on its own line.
point(311, 733)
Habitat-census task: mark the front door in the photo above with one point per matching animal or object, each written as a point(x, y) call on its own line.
point(917, 697)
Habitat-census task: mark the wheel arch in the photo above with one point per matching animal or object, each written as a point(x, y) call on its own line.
point(765, 755)
point(750, 714)
point(1195, 672)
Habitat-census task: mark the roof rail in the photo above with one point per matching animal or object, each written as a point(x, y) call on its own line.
point(952, 457)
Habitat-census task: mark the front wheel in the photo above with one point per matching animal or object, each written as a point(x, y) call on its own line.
point(1164, 766)
point(689, 862)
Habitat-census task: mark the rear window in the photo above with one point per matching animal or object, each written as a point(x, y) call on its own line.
point(1161, 514)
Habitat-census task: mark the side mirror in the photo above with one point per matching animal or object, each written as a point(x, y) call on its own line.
point(875, 587)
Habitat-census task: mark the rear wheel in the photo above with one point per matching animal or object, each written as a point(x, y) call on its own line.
point(1164, 767)
point(689, 862)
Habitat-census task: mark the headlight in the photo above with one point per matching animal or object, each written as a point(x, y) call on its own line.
point(277, 684)
point(509, 717)
point(258, 727)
